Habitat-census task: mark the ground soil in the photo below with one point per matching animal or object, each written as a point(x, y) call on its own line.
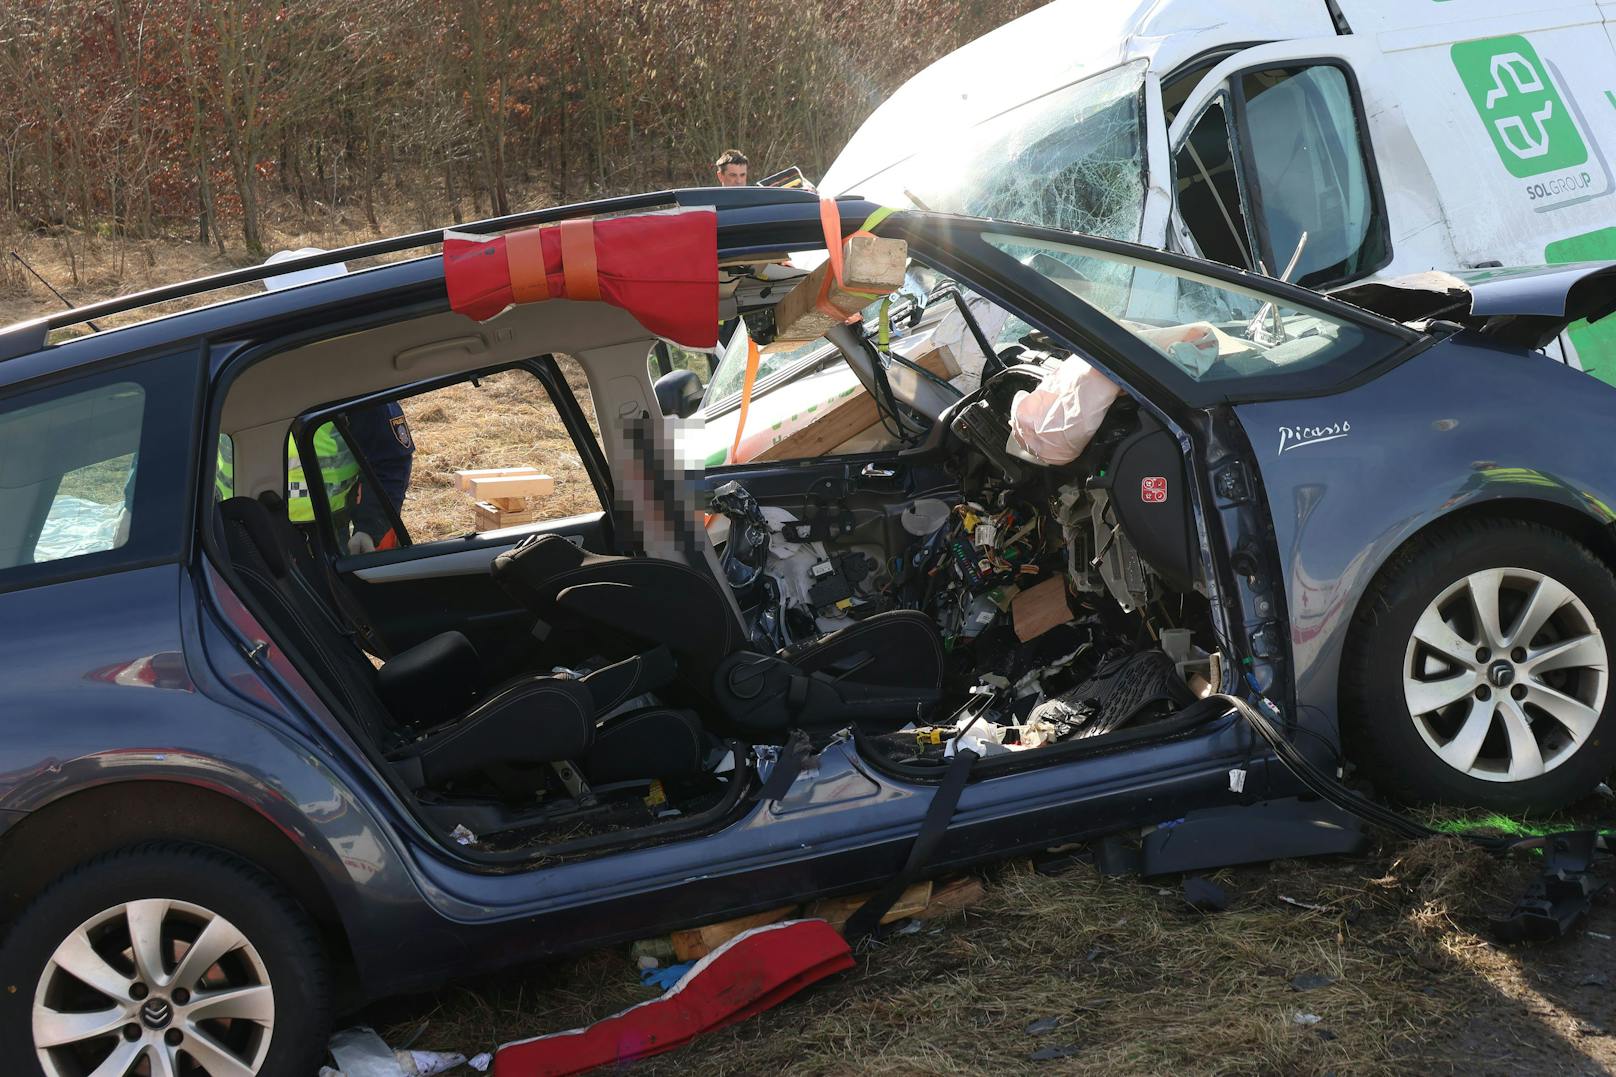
point(1395, 961)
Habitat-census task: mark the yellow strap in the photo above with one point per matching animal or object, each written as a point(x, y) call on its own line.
point(746, 395)
point(875, 218)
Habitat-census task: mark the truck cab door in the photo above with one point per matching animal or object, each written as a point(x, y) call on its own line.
point(1273, 164)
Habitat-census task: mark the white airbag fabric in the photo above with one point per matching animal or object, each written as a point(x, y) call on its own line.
point(1055, 422)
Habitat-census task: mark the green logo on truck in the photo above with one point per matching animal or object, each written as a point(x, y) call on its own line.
point(1530, 126)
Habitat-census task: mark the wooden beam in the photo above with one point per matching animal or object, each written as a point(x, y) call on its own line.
point(847, 417)
point(870, 264)
point(464, 476)
point(489, 487)
point(837, 911)
point(698, 942)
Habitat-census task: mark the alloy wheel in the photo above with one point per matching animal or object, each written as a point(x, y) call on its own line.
point(1505, 674)
point(153, 988)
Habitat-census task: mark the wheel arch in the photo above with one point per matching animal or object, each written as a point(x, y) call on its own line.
point(1578, 524)
point(117, 815)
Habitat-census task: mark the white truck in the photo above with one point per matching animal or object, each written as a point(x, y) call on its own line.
point(1397, 136)
point(1327, 141)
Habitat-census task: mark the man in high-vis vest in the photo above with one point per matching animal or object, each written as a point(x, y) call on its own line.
point(362, 523)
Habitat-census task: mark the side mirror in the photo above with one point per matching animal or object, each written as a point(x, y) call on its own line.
point(678, 393)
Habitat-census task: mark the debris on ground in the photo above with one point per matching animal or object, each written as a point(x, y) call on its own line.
point(360, 1052)
point(746, 975)
point(1141, 988)
point(1204, 895)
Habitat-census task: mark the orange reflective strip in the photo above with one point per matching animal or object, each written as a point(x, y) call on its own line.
point(578, 260)
point(524, 257)
point(746, 396)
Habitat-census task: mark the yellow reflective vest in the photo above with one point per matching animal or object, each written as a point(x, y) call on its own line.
point(339, 470)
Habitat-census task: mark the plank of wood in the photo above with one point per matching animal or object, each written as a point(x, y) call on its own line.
point(693, 943)
point(493, 486)
point(464, 476)
point(870, 264)
point(845, 418)
point(1039, 608)
point(487, 516)
point(952, 897)
point(837, 911)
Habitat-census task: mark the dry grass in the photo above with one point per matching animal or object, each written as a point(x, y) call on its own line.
point(1136, 982)
point(505, 420)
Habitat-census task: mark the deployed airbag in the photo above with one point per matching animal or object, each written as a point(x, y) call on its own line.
point(1055, 421)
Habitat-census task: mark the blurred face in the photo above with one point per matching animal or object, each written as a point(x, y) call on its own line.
point(732, 176)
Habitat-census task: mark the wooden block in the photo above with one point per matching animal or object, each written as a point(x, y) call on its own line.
point(464, 476)
point(487, 488)
point(953, 897)
point(697, 942)
point(837, 911)
point(870, 264)
point(1039, 608)
point(843, 419)
point(487, 516)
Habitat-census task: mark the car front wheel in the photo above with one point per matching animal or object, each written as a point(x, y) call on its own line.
point(163, 960)
point(1478, 671)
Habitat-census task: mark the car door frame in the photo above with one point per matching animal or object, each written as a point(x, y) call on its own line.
point(1222, 79)
point(472, 552)
point(1248, 607)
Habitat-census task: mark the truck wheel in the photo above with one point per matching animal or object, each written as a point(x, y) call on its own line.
point(1478, 670)
point(164, 959)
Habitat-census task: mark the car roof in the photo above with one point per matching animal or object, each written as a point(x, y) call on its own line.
point(736, 205)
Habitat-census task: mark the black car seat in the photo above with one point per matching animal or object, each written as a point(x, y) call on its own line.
point(882, 672)
point(423, 708)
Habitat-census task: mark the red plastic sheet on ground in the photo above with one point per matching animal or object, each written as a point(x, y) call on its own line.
point(660, 267)
point(747, 975)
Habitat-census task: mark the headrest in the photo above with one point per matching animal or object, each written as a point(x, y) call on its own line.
point(255, 521)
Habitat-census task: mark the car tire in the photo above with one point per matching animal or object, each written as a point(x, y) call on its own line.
point(263, 1002)
point(1500, 702)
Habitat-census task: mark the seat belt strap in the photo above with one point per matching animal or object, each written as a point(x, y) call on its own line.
point(867, 917)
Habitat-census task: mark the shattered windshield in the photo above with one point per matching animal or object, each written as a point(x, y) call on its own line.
point(1210, 330)
point(1072, 159)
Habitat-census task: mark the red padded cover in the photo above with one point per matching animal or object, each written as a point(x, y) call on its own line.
point(753, 971)
point(660, 267)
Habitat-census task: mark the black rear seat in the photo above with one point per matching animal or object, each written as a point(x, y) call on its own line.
point(440, 729)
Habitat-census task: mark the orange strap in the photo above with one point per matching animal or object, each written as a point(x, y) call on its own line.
point(746, 396)
point(830, 220)
point(578, 259)
point(524, 257)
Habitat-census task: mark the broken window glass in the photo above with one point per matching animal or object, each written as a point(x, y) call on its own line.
point(1072, 159)
point(1210, 330)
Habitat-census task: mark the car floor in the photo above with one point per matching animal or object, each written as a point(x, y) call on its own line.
point(1079, 974)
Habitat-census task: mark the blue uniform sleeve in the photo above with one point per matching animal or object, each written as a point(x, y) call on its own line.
point(381, 435)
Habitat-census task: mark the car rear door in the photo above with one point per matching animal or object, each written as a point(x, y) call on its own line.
point(430, 569)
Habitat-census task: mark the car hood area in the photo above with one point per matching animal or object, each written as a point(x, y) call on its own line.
point(1524, 305)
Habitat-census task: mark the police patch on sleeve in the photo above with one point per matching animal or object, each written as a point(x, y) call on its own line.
point(401, 431)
